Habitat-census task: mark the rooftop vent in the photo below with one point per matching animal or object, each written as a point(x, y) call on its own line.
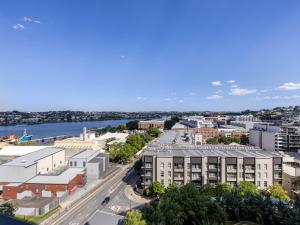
point(23, 161)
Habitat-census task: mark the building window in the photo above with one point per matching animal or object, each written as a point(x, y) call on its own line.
point(265, 184)
point(75, 163)
point(162, 173)
point(169, 165)
point(162, 165)
point(83, 164)
point(258, 183)
point(240, 166)
point(258, 166)
point(169, 173)
point(162, 181)
point(241, 175)
point(71, 163)
point(266, 166)
point(54, 165)
point(265, 175)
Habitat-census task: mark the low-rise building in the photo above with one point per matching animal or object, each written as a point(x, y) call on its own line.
point(197, 122)
point(25, 167)
point(146, 124)
point(46, 185)
point(96, 163)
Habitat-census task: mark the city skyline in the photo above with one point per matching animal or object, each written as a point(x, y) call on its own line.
point(148, 56)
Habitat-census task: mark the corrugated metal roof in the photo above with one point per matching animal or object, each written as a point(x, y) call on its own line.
point(30, 159)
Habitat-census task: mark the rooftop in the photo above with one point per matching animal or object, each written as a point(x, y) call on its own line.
point(19, 150)
point(31, 158)
point(85, 154)
point(33, 202)
point(63, 178)
point(210, 150)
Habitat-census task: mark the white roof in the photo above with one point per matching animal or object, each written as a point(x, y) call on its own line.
point(112, 135)
point(63, 178)
point(32, 158)
point(19, 150)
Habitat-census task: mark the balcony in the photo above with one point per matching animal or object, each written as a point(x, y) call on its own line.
point(278, 167)
point(231, 170)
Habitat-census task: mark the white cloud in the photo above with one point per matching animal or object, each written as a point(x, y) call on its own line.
point(27, 19)
point(19, 27)
point(242, 91)
point(216, 83)
point(181, 101)
point(289, 86)
point(139, 98)
point(37, 21)
point(167, 99)
point(290, 97)
point(234, 86)
point(214, 97)
point(230, 81)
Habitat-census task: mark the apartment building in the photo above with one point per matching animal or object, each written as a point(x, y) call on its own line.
point(144, 125)
point(278, 138)
point(210, 164)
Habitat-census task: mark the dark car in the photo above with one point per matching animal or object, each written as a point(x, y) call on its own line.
point(105, 201)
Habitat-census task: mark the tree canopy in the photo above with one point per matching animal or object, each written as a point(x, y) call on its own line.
point(277, 191)
point(7, 209)
point(134, 218)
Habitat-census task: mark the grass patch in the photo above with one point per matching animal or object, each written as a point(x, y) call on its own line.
point(37, 219)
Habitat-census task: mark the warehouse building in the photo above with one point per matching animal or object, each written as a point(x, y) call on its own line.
point(96, 163)
point(25, 167)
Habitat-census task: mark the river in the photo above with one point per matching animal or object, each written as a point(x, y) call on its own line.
point(56, 129)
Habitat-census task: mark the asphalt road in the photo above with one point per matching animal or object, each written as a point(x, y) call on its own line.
point(83, 211)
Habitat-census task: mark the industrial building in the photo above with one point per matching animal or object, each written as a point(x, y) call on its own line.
point(46, 185)
point(25, 167)
point(95, 163)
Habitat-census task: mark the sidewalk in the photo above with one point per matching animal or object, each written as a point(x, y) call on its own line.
point(90, 185)
point(130, 194)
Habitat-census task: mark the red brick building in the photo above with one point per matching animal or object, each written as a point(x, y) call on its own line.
point(51, 185)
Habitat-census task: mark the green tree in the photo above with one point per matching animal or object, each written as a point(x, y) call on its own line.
point(244, 140)
point(156, 188)
point(153, 132)
point(7, 209)
point(132, 125)
point(136, 140)
point(134, 218)
point(247, 187)
point(277, 191)
point(212, 141)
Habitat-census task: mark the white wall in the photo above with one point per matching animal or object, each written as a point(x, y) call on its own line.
point(255, 138)
point(268, 141)
point(48, 162)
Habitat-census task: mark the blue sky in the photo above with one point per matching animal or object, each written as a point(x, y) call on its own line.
point(137, 55)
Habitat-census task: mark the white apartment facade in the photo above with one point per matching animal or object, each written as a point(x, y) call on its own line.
point(210, 165)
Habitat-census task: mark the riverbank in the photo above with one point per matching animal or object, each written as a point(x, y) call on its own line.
point(57, 129)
